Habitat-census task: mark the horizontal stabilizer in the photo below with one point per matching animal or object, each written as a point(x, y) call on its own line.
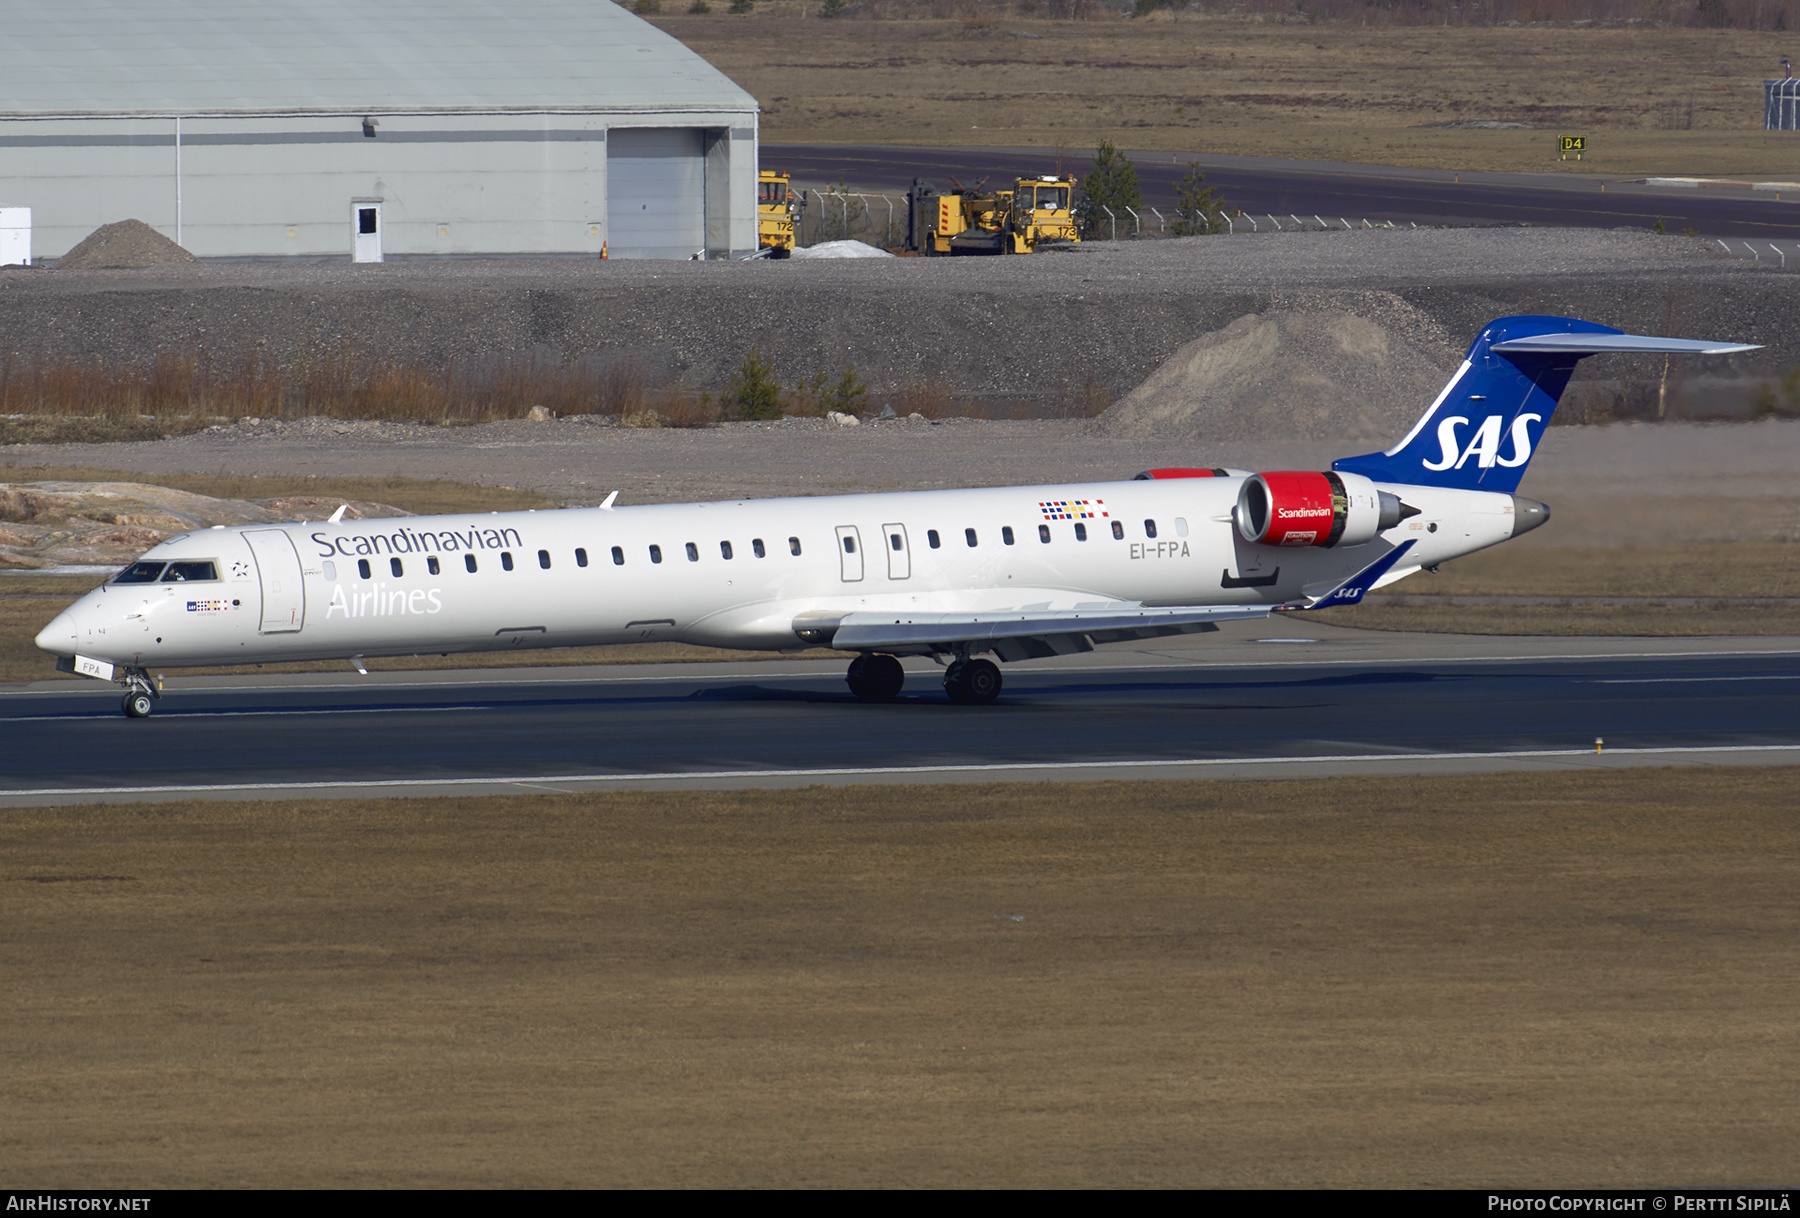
point(1601, 344)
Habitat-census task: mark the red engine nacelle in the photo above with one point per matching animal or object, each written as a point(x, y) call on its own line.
point(1301, 508)
point(1181, 471)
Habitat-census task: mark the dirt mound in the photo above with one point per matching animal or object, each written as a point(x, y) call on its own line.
point(1361, 371)
point(58, 524)
point(129, 243)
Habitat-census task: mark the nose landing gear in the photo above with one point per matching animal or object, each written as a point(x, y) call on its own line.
point(141, 694)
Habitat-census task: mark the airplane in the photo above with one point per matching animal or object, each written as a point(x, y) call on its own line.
point(1016, 573)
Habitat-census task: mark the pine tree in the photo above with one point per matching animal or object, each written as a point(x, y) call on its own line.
point(1198, 210)
point(1112, 183)
point(755, 393)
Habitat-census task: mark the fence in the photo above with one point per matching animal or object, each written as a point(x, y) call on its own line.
point(1781, 104)
point(851, 215)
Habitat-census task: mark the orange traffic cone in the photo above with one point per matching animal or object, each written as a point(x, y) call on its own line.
point(603, 251)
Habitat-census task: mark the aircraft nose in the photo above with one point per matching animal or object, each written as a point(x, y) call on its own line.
point(60, 636)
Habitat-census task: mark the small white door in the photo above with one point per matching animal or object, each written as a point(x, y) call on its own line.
point(850, 553)
point(365, 232)
point(899, 556)
point(278, 569)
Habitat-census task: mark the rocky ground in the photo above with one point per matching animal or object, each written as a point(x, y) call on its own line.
point(1037, 328)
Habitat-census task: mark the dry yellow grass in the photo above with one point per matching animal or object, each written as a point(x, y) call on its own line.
point(1737, 569)
point(1652, 101)
point(1530, 980)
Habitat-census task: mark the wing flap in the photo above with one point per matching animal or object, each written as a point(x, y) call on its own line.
point(1059, 631)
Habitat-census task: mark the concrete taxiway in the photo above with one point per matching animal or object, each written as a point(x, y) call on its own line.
point(1286, 698)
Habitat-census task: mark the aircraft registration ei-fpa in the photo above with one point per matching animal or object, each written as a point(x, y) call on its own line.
point(1018, 573)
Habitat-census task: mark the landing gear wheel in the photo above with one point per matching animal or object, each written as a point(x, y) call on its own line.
point(972, 682)
point(138, 704)
point(875, 678)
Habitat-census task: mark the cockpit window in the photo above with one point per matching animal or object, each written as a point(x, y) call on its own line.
point(140, 573)
point(190, 572)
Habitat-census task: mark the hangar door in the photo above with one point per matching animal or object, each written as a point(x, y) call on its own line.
point(655, 192)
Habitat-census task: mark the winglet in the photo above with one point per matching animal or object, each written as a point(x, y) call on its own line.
point(1357, 586)
point(608, 505)
point(337, 517)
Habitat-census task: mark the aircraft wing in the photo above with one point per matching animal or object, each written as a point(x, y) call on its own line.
point(1025, 635)
point(1352, 590)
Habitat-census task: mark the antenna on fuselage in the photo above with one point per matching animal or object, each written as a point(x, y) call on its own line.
point(337, 517)
point(607, 506)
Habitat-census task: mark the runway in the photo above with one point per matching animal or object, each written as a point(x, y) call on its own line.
point(1275, 191)
point(1313, 701)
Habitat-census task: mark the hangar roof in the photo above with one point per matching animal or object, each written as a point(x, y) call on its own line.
point(196, 57)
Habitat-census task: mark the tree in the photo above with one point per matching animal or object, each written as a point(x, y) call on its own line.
point(849, 395)
point(1198, 210)
point(1112, 183)
point(755, 393)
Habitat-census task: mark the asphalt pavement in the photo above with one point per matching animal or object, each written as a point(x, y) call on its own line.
point(1269, 700)
point(1279, 192)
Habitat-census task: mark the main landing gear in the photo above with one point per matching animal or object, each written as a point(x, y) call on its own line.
point(140, 694)
point(879, 678)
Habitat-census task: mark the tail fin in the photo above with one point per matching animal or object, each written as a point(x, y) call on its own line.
point(1480, 433)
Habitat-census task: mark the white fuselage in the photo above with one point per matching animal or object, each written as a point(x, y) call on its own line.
point(730, 574)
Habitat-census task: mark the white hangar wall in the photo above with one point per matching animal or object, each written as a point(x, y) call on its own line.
point(275, 140)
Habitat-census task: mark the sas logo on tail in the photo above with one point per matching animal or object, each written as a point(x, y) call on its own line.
point(1484, 445)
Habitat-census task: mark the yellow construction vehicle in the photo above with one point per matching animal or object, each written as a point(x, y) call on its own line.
point(775, 210)
point(970, 220)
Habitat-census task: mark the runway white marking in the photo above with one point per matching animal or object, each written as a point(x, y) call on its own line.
point(887, 771)
point(1679, 680)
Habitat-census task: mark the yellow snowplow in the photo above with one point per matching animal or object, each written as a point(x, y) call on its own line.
point(775, 210)
point(970, 220)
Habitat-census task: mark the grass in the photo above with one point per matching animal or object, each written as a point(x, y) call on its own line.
point(1577, 980)
point(1286, 82)
point(1717, 572)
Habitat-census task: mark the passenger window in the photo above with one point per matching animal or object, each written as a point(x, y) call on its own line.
point(1080, 532)
point(1044, 533)
point(362, 568)
point(894, 540)
point(794, 546)
point(1006, 534)
point(756, 547)
point(655, 553)
point(1181, 526)
point(618, 556)
point(431, 564)
point(1149, 528)
point(580, 557)
point(693, 552)
point(544, 559)
point(724, 549)
point(969, 536)
point(330, 569)
point(849, 545)
point(396, 568)
point(139, 573)
point(506, 560)
point(1118, 530)
point(469, 563)
point(932, 537)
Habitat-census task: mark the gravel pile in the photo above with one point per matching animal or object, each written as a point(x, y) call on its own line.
point(1039, 327)
point(1311, 375)
point(127, 244)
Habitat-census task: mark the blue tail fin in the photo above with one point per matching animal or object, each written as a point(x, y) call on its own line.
point(1484, 426)
point(1480, 433)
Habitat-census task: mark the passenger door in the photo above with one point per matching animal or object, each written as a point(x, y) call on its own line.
point(283, 592)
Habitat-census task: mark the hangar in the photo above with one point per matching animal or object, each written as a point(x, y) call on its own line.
point(374, 129)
